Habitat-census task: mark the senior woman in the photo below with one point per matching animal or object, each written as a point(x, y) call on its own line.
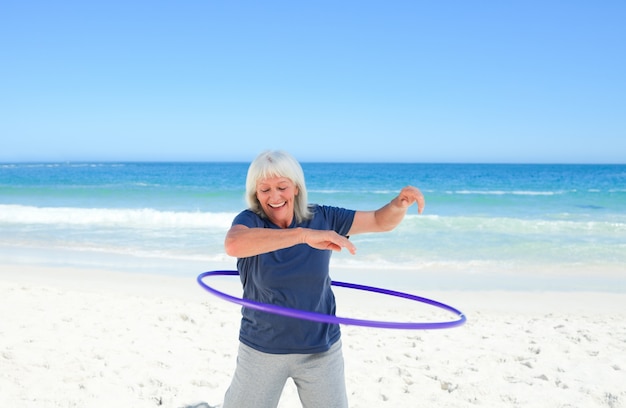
point(283, 246)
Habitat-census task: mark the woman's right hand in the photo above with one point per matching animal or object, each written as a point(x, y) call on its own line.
point(327, 240)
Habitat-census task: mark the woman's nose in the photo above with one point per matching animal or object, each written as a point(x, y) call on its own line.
point(274, 194)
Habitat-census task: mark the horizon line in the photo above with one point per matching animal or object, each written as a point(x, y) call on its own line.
point(313, 162)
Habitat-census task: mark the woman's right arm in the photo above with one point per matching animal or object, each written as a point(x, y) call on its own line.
point(242, 242)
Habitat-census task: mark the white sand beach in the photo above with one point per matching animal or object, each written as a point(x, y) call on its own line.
point(85, 338)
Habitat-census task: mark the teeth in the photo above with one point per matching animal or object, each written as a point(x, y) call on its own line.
point(277, 205)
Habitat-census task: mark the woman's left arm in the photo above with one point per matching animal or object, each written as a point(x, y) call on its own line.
point(389, 216)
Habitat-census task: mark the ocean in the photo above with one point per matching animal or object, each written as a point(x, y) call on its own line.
point(485, 226)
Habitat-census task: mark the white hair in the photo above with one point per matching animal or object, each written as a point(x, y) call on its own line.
point(277, 163)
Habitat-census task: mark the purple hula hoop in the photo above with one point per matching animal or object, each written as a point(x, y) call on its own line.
point(323, 318)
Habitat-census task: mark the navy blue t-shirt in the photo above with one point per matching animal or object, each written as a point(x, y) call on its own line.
point(295, 277)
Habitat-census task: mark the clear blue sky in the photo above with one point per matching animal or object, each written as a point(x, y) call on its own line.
point(414, 81)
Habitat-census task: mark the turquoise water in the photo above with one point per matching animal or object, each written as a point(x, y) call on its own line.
point(485, 225)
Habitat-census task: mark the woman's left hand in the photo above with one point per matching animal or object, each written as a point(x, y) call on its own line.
point(409, 195)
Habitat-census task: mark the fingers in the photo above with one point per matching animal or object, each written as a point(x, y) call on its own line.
point(421, 202)
point(323, 239)
point(342, 242)
point(410, 195)
point(350, 246)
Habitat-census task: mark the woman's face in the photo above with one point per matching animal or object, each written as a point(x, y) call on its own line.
point(277, 196)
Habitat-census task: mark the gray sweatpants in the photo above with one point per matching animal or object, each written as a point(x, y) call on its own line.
point(260, 377)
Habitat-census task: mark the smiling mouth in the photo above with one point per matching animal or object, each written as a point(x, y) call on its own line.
point(278, 205)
